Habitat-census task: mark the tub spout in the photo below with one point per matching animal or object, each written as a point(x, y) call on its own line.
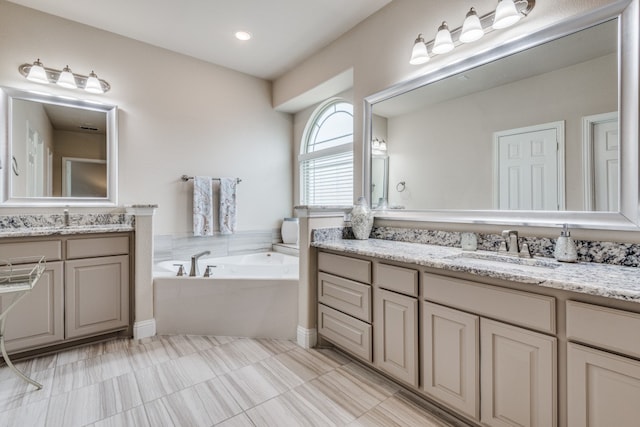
point(194, 263)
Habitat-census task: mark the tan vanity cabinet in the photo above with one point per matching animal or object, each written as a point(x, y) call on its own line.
point(451, 357)
point(96, 285)
point(38, 319)
point(344, 312)
point(395, 322)
point(518, 366)
point(84, 291)
point(603, 385)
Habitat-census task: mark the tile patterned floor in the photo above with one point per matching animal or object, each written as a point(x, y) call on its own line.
point(204, 381)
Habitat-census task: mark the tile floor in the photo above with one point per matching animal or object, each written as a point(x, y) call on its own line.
point(186, 380)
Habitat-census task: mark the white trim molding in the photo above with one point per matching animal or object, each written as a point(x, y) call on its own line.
point(144, 329)
point(307, 338)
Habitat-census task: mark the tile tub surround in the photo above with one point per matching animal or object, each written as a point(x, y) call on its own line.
point(53, 224)
point(623, 254)
point(191, 380)
point(182, 246)
point(610, 281)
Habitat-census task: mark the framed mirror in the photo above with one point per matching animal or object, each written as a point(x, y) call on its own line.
point(57, 151)
point(539, 131)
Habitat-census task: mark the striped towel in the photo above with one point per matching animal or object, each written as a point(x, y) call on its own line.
point(228, 205)
point(202, 206)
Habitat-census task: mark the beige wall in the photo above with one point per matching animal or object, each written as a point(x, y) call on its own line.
point(378, 51)
point(75, 144)
point(177, 115)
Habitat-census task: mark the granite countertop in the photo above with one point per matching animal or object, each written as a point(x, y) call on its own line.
point(605, 280)
point(65, 230)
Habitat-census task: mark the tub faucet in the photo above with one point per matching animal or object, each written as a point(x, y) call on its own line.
point(194, 263)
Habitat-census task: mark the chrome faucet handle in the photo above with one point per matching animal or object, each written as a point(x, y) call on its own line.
point(207, 272)
point(180, 269)
point(525, 251)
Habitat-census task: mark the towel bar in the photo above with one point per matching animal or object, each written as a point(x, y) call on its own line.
point(187, 178)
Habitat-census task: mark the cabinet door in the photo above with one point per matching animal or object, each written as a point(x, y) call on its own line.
point(451, 359)
point(395, 332)
point(518, 371)
point(38, 319)
point(97, 295)
point(603, 389)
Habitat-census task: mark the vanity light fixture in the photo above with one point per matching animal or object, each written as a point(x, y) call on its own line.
point(471, 28)
point(378, 146)
point(37, 72)
point(419, 54)
point(443, 42)
point(474, 28)
point(506, 15)
point(66, 79)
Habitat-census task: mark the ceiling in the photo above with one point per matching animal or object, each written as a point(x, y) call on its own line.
point(285, 32)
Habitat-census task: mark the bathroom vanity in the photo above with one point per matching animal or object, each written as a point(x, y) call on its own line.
point(495, 342)
point(84, 294)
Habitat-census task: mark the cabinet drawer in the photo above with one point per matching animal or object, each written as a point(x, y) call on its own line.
point(520, 308)
point(351, 268)
point(348, 296)
point(608, 328)
point(398, 279)
point(350, 334)
point(99, 246)
point(50, 249)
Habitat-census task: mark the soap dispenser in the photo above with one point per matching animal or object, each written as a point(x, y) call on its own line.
point(566, 250)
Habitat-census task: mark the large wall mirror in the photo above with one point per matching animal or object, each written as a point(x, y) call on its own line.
point(57, 151)
point(539, 131)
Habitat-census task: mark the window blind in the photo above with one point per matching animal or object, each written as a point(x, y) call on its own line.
point(328, 180)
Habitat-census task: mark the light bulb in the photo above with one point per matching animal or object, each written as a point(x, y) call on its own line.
point(471, 28)
point(506, 14)
point(443, 42)
point(419, 54)
point(37, 73)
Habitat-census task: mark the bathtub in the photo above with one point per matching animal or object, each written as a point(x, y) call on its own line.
point(253, 295)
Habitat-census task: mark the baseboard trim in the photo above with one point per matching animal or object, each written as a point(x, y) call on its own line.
point(144, 329)
point(307, 338)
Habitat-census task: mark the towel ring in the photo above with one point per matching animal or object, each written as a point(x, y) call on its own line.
point(401, 186)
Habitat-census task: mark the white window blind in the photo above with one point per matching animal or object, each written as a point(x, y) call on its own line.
point(328, 179)
point(326, 162)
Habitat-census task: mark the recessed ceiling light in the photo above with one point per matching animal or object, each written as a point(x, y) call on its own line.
point(243, 35)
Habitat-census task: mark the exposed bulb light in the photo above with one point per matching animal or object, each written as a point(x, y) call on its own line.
point(443, 42)
point(506, 14)
point(93, 84)
point(37, 73)
point(471, 28)
point(67, 79)
point(243, 35)
point(419, 54)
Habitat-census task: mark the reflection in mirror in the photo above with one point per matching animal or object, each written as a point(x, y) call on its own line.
point(533, 131)
point(64, 151)
point(379, 179)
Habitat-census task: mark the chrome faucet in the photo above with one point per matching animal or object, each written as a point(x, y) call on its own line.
point(512, 245)
point(66, 217)
point(194, 263)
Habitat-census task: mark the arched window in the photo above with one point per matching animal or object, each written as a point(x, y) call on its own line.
point(326, 159)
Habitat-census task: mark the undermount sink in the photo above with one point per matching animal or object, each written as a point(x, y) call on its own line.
point(490, 258)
